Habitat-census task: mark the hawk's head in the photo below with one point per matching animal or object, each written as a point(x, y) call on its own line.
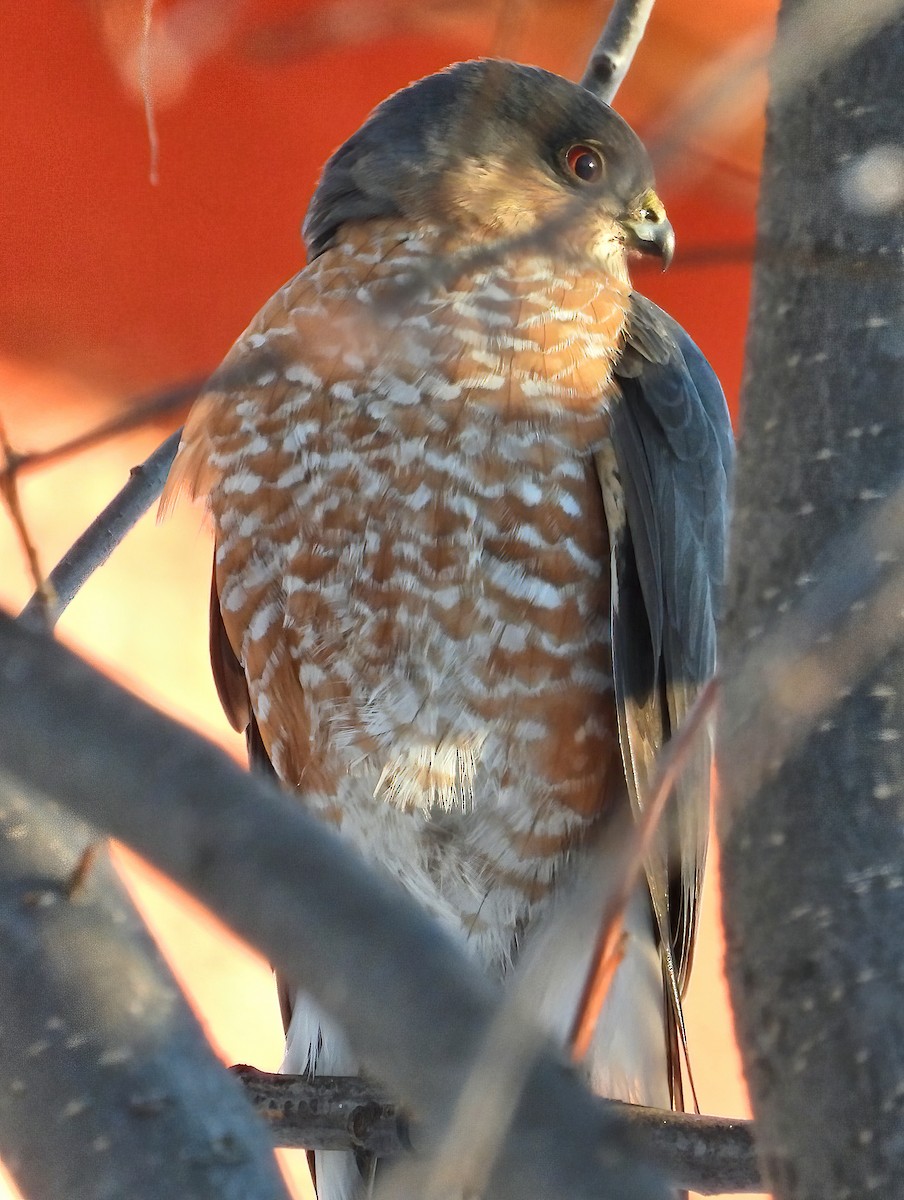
point(493, 150)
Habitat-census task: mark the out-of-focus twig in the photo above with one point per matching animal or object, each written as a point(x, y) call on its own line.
point(80, 873)
point(92, 549)
point(103, 535)
point(723, 98)
point(147, 90)
point(335, 1112)
point(614, 52)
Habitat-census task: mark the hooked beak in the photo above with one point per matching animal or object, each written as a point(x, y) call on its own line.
point(649, 231)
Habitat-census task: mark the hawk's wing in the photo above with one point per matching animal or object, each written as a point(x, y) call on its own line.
point(673, 455)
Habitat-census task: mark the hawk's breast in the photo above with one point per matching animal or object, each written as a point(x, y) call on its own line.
point(412, 556)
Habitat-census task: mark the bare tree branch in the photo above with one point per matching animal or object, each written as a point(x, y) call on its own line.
point(329, 1112)
point(103, 535)
point(109, 1087)
point(293, 889)
point(613, 54)
point(704, 1154)
point(140, 412)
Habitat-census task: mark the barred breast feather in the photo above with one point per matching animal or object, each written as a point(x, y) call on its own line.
point(413, 565)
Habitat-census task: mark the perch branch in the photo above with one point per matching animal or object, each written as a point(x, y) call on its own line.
point(704, 1154)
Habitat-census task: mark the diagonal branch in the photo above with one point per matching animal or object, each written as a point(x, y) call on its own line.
point(290, 887)
point(723, 97)
point(92, 549)
point(293, 889)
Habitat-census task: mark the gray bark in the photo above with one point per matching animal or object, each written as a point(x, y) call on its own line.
point(107, 1086)
point(813, 848)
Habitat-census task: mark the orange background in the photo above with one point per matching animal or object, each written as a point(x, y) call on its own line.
point(110, 285)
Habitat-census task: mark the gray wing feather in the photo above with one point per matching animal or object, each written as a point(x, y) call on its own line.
point(674, 451)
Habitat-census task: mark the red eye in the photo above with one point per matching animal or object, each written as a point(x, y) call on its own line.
point(585, 163)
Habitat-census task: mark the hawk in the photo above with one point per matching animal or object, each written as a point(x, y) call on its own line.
point(469, 499)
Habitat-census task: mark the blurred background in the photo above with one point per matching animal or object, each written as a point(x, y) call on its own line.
point(158, 159)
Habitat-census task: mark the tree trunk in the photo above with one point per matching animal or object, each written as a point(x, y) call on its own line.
point(812, 844)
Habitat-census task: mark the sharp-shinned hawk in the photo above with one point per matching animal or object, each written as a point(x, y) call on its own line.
point(469, 494)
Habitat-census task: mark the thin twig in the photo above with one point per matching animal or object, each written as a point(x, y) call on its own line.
point(103, 535)
point(671, 760)
point(607, 956)
point(138, 414)
point(92, 549)
point(337, 1112)
point(614, 52)
point(9, 488)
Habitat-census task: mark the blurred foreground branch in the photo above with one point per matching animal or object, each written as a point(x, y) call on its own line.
point(293, 889)
point(723, 98)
